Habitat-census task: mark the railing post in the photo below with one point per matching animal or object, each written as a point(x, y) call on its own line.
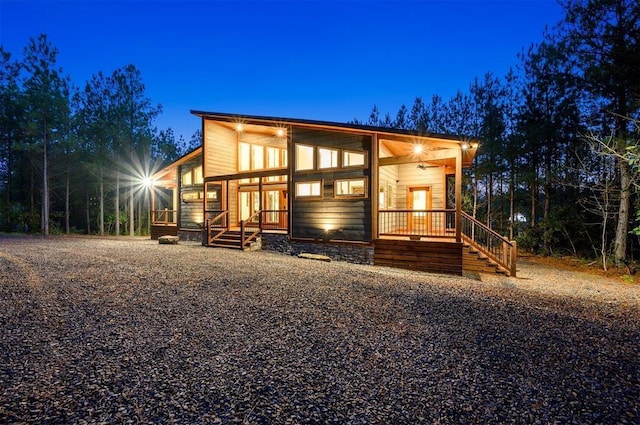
point(166, 216)
point(514, 254)
point(242, 234)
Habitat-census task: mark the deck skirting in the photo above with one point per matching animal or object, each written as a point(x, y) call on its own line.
point(427, 256)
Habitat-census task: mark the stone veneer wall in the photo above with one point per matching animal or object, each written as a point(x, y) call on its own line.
point(191, 235)
point(352, 253)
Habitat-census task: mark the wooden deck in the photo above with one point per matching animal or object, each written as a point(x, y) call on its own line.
point(428, 256)
point(158, 230)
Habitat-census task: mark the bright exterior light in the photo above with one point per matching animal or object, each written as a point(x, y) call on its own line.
point(465, 146)
point(327, 228)
point(280, 132)
point(147, 182)
point(417, 149)
point(239, 127)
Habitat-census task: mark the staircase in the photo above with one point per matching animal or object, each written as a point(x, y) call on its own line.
point(485, 250)
point(233, 239)
point(473, 260)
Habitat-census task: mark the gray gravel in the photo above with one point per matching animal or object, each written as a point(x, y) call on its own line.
point(112, 331)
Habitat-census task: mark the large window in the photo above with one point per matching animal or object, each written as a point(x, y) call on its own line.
point(259, 157)
point(304, 158)
point(351, 188)
point(192, 176)
point(327, 158)
point(310, 189)
point(353, 159)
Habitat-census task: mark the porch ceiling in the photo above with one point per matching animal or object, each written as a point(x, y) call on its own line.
point(436, 152)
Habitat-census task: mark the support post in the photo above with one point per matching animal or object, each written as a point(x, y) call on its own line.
point(458, 193)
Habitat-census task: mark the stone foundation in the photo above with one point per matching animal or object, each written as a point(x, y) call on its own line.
point(352, 253)
point(191, 235)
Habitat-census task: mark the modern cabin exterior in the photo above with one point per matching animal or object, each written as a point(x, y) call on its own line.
point(357, 193)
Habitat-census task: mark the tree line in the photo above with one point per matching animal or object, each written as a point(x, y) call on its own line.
point(72, 159)
point(557, 167)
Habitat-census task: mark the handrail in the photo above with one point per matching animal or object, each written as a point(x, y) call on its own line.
point(168, 215)
point(495, 246)
point(211, 223)
point(274, 219)
point(433, 223)
point(247, 223)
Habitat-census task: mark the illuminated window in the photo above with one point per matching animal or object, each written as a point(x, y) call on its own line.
point(257, 157)
point(352, 159)
point(351, 188)
point(244, 156)
point(304, 157)
point(309, 189)
point(197, 175)
point(327, 158)
point(187, 178)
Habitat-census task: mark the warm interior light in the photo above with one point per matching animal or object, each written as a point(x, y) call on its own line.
point(417, 149)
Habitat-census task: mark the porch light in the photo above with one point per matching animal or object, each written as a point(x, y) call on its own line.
point(146, 182)
point(280, 132)
point(239, 127)
point(465, 146)
point(417, 149)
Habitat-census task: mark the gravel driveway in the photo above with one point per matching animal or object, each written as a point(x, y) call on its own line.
point(112, 331)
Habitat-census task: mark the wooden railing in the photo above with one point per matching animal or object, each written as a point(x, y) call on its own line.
point(492, 244)
point(217, 222)
point(275, 219)
point(252, 225)
point(417, 223)
point(164, 217)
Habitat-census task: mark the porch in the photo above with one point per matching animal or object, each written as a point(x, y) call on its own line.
point(412, 239)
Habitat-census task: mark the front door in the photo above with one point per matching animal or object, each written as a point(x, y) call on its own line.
point(275, 202)
point(248, 204)
point(419, 200)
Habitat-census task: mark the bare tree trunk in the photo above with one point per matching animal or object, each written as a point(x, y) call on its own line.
point(45, 185)
point(88, 212)
point(101, 219)
point(117, 206)
point(620, 251)
point(131, 214)
point(66, 204)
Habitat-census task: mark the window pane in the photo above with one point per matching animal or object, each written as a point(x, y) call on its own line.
point(244, 156)
point(273, 157)
point(258, 157)
point(187, 178)
point(304, 157)
point(308, 189)
point(197, 175)
point(352, 159)
point(327, 158)
point(355, 187)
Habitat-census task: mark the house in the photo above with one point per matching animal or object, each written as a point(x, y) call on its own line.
point(352, 192)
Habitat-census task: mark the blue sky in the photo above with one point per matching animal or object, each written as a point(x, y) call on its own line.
point(308, 59)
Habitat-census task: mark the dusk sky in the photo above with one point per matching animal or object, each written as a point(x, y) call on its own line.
point(328, 61)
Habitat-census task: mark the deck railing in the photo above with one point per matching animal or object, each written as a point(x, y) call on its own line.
point(417, 223)
point(275, 219)
point(492, 244)
point(217, 222)
point(251, 225)
point(164, 217)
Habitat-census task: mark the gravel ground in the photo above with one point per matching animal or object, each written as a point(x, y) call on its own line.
point(111, 331)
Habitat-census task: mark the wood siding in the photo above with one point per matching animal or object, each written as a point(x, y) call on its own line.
point(435, 257)
point(220, 150)
point(349, 219)
point(162, 230)
point(410, 175)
